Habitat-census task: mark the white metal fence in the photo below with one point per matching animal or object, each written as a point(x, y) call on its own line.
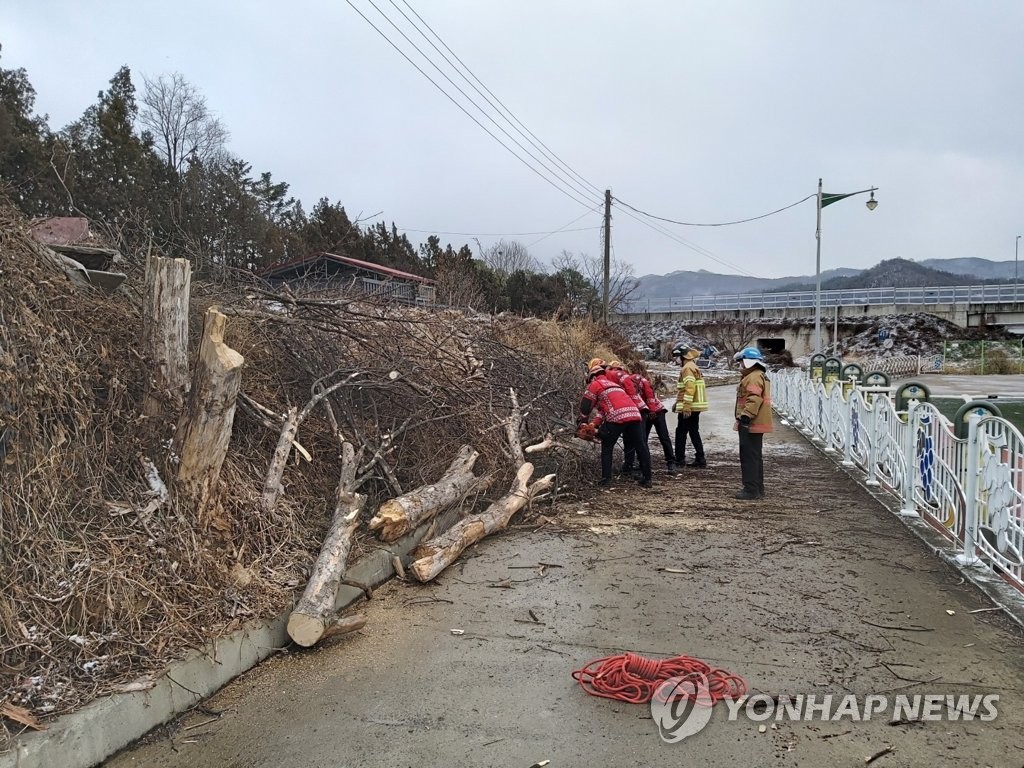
point(847, 297)
point(969, 489)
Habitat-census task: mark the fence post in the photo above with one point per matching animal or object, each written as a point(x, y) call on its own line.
point(848, 441)
point(968, 556)
point(873, 441)
point(909, 508)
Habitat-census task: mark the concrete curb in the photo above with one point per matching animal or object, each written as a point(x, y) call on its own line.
point(982, 577)
point(90, 735)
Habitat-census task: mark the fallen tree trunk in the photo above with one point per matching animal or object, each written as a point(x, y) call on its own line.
point(165, 332)
point(204, 429)
point(434, 556)
point(313, 615)
point(398, 516)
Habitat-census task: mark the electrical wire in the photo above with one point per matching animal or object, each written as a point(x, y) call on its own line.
point(687, 244)
point(558, 174)
point(720, 223)
point(556, 185)
point(500, 234)
point(526, 133)
point(566, 228)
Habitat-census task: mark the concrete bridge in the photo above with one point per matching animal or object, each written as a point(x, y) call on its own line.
point(967, 305)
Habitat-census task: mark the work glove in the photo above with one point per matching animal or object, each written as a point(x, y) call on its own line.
point(586, 432)
point(745, 423)
point(686, 413)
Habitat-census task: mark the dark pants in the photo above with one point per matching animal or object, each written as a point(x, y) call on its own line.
point(751, 462)
point(632, 437)
point(690, 426)
point(663, 437)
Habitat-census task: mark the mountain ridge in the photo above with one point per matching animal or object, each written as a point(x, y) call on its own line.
point(910, 274)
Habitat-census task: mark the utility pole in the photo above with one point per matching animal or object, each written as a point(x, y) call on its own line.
point(607, 252)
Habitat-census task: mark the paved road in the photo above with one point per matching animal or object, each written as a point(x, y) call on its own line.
point(789, 593)
point(980, 386)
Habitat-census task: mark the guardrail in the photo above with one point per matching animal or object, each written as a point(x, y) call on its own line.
point(969, 489)
point(961, 294)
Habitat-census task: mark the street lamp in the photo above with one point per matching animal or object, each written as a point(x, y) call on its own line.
point(823, 200)
point(1016, 247)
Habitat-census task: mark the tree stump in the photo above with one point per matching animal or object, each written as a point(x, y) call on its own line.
point(165, 332)
point(204, 429)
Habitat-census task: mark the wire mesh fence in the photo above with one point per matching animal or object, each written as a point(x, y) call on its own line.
point(983, 357)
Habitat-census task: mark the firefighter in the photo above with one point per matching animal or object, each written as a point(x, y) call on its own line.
point(691, 401)
point(656, 413)
point(617, 415)
point(618, 373)
point(753, 419)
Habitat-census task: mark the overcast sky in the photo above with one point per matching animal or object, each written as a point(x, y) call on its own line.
point(698, 111)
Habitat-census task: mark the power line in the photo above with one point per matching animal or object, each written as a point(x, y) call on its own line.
point(718, 224)
point(500, 234)
point(535, 140)
point(687, 244)
point(557, 185)
point(572, 184)
point(565, 228)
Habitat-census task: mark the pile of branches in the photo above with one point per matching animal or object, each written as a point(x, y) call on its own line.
point(106, 579)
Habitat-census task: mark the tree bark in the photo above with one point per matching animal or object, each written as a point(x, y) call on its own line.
point(204, 429)
point(398, 516)
point(435, 555)
point(272, 485)
point(313, 615)
point(165, 332)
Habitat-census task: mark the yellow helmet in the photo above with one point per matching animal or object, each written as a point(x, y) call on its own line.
point(594, 363)
point(616, 364)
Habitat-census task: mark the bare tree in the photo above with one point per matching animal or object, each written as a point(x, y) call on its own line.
point(508, 257)
point(622, 285)
point(183, 127)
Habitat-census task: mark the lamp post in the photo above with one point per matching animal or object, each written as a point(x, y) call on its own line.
point(823, 200)
point(1016, 247)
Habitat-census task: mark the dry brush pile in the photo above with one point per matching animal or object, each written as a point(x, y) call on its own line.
point(108, 575)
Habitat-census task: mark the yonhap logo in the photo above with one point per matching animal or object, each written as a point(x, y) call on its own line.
point(681, 707)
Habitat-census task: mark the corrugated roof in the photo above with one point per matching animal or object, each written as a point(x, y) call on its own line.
point(396, 274)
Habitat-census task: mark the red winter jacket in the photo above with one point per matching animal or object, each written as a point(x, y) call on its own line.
point(613, 404)
point(646, 391)
point(625, 380)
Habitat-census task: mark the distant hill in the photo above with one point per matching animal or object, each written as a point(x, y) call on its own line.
point(894, 272)
point(891, 273)
point(975, 268)
point(704, 283)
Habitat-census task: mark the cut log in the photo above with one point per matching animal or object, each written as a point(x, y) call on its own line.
point(314, 613)
point(432, 557)
point(398, 516)
point(165, 332)
point(204, 429)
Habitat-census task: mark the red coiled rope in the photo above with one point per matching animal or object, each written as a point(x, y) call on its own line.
point(633, 678)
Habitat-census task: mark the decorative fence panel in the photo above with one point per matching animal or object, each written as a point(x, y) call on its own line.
point(969, 489)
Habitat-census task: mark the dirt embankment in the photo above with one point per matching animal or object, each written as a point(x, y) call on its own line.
point(101, 587)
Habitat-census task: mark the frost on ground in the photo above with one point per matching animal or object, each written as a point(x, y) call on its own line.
point(863, 337)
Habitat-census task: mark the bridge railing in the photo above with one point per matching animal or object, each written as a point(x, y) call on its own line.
point(958, 294)
point(970, 489)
